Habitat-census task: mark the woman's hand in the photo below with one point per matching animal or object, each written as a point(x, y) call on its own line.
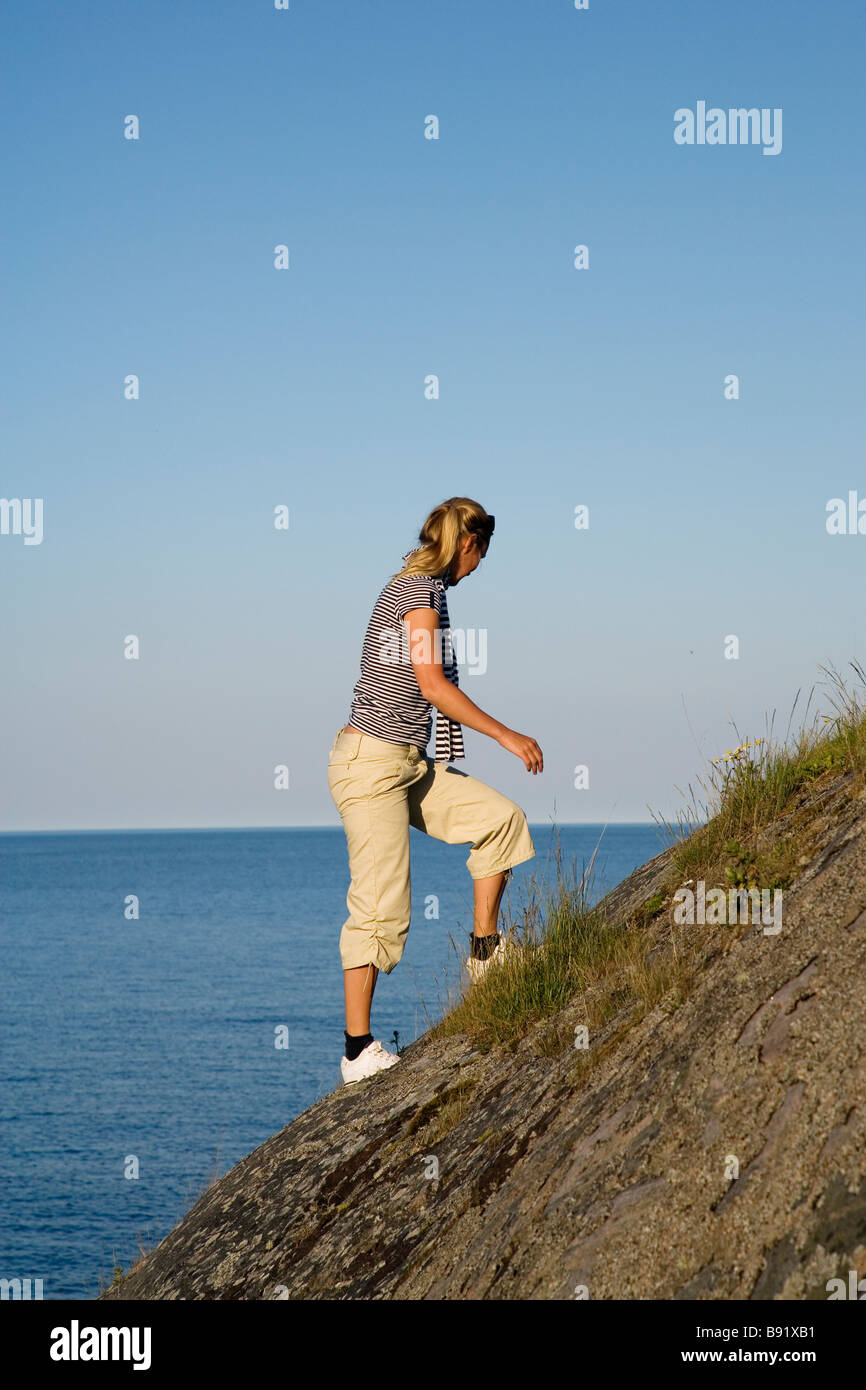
point(425, 653)
point(523, 747)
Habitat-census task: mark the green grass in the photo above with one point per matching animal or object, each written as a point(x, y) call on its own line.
point(759, 819)
point(569, 949)
point(759, 799)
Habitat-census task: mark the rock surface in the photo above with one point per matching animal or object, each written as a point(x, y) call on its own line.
point(561, 1176)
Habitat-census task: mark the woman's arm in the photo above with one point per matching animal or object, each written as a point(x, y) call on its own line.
point(422, 624)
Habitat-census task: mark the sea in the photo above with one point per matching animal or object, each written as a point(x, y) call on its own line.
point(172, 998)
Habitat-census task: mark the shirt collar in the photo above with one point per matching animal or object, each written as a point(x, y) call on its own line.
point(442, 581)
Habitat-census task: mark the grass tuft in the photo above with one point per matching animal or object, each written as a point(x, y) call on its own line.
point(757, 824)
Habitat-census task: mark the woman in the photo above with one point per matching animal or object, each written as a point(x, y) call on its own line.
point(382, 781)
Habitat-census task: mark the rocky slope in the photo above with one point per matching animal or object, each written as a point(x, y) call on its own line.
point(560, 1176)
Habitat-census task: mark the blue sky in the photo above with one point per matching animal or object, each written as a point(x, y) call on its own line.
point(305, 387)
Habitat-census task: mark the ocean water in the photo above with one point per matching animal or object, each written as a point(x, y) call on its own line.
point(148, 1046)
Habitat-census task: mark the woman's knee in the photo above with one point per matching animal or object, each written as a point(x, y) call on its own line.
point(506, 822)
point(517, 834)
point(505, 841)
point(514, 818)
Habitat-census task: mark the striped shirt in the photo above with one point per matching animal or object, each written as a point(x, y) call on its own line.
point(386, 700)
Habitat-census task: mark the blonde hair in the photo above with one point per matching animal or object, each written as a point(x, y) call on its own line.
point(441, 534)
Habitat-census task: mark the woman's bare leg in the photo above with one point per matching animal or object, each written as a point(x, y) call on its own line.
point(360, 982)
point(358, 986)
point(488, 895)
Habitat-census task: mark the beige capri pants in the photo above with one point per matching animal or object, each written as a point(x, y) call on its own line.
point(382, 788)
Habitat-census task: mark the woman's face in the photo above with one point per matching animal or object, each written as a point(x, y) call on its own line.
point(470, 553)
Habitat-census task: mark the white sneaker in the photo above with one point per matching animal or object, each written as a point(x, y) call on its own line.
point(479, 968)
point(373, 1058)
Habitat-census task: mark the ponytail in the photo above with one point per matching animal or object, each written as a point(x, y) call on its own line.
point(441, 534)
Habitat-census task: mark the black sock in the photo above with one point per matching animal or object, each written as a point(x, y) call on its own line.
point(483, 946)
point(356, 1045)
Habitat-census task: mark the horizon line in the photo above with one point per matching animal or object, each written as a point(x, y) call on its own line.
point(168, 830)
point(237, 829)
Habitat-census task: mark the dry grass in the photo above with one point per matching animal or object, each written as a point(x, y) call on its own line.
point(755, 806)
point(757, 824)
point(568, 948)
